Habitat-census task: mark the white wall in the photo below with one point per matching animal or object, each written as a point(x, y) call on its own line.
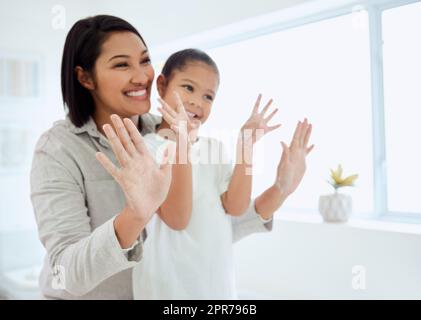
point(314, 260)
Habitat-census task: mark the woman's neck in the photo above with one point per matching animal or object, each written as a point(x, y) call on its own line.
point(101, 118)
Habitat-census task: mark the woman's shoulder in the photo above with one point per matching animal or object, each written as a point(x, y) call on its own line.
point(56, 137)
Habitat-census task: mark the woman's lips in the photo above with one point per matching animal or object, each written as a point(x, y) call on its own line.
point(138, 95)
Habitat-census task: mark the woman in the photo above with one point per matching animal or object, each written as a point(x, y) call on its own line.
point(91, 223)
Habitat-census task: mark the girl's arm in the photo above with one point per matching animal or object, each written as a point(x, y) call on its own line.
point(237, 198)
point(176, 209)
point(290, 172)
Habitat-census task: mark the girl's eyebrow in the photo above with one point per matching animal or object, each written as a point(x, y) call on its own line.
point(195, 83)
point(125, 55)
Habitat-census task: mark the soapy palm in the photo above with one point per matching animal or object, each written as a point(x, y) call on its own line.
point(144, 183)
point(292, 165)
point(256, 125)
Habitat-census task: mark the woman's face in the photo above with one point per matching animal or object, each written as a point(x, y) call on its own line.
point(197, 84)
point(123, 76)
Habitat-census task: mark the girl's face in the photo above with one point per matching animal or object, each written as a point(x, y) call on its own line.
point(122, 78)
point(196, 84)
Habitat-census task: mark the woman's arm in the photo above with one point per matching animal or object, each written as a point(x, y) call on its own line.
point(290, 172)
point(82, 258)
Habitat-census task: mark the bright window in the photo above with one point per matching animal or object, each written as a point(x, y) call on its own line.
point(402, 92)
point(321, 71)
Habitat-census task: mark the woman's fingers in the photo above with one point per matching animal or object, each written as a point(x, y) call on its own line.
point(307, 135)
point(309, 149)
point(123, 134)
point(304, 126)
point(116, 145)
point(295, 138)
point(135, 136)
point(257, 103)
point(107, 164)
point(285, 152)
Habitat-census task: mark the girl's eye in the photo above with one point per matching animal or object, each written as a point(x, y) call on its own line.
point(188, 87)
point(208, 97)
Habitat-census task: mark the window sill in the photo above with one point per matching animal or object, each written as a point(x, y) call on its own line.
point(354, 222)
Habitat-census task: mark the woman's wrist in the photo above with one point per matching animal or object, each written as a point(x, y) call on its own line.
point(128, 227)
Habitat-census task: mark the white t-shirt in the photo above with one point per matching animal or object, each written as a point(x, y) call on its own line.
point(197, 262)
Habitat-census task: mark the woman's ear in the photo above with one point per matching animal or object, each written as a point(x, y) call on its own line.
point(161, 85)
point(84, 78)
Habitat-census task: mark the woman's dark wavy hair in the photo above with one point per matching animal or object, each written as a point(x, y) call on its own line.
point(82, 48)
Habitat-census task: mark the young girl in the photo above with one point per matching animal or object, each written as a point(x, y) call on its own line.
point(188, 253)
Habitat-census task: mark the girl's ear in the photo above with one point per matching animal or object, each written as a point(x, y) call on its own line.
point(84, 78)
point(161, 85)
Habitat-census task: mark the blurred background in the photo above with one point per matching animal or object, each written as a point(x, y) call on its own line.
point(352, 67)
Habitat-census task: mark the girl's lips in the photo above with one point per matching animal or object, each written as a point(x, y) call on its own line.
point(192, 115)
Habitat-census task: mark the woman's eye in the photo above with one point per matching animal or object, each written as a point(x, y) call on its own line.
point(188, 87)
point(121, 65)
point(146, 61)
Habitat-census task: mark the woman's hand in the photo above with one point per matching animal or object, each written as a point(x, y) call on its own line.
point(292, 165)
point(256, 125)
point(290, 172)
point(144, 183)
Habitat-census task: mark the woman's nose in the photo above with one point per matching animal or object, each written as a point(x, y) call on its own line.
point(140, 76)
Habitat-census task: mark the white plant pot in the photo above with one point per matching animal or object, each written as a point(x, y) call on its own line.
point(335, 207)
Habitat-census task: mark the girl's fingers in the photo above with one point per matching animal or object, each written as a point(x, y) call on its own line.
point(116, 145)
point(307, 135)
point(271, 128)
point(257, 103)
point(123, 134)
point(265, 109)
point(135, 136)
point(167, 108)
point(180, 106)
point(167, 117)
point(266, 120)
point(107, 164)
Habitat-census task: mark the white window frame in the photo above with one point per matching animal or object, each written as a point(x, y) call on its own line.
point(303, 14)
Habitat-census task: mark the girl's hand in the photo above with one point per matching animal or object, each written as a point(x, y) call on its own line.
point(257, 125)
point(292, 165)
point(179, 121)
point(144, 183)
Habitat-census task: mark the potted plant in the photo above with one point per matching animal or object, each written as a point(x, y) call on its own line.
point(337, 207)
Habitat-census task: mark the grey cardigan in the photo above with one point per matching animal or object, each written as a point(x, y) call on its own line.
point(75, 202)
